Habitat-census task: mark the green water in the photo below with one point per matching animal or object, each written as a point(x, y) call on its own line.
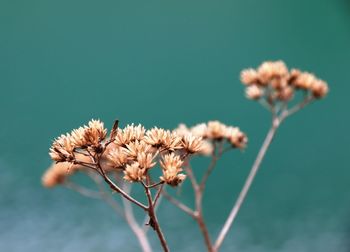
point(162, 63)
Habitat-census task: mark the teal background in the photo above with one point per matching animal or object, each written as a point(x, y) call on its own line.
point(162, 63)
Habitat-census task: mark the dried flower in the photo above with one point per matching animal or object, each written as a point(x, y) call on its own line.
point(57, 174)
point(304, 80)
point(95, 133)
point(192, 144)
point(128, 134)
point(118, 157)
point(200, 130)
point(62, 149)
point(134, 173)
point(285, 94)
point(160, 138)
point(155, 136)
point(216, 130)
point(78, 137)
point(254, 92)
point(171, 165)
point(236, 137)
point(249, 76)
point(319, 89)
point(134, 148)
point(145, 160)
point(270, 70)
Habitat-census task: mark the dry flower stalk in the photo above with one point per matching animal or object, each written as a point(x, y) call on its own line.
point(132, 153)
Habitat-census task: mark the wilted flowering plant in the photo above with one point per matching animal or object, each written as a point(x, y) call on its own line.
point(132, 154)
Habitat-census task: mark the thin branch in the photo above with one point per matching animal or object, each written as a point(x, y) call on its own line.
point(208, 172)
point(234, 211)
point(118, 189)
point(155, 184)
point(135, 227)
point(178, 204)
point(153, 219)
point(193, 179)
point(159, 192)
point(297, 107)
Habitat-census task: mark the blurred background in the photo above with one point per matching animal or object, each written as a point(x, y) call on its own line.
point(162, 63)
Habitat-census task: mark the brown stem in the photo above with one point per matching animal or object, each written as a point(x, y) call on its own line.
point(118, 189)
point(153, 219)
point(135, 227)
point(235, 209)
point(179, 204)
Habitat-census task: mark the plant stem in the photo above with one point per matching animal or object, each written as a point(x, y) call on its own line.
point(154, 221)
point(135, 227)
point(269, 137)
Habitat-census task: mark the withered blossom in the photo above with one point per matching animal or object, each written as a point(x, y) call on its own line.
point(134, 173)
point(134, 148)
point(128, 134)
point(62, 149)
point(57, 173)
point(236, 137)
point(95, 133)
point(146, 160)
point(192, 144)
point(118, 157)
point(254, 92)
point(274, 82)
point(216, 130)
point(250, 77)
point(171, 165)
point(158, 137)
point(271, 70)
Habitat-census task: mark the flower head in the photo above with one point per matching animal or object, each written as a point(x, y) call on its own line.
point(254, 92)
point(128, 134)
point(192, 144)
point(216, 130)
point(62, 149)
point(134, 173)
point(118, 157)
point(236, 137)
point(171, 165)
point(95, 133)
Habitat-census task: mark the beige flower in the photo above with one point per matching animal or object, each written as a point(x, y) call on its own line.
point(78, 137)
point(57, 174)
point(200, 130)
point(129, 133)
point(95, 132)
point(285, 94)
point(160, 138)
point(62, 149)
point(319, 89)
point(216, 130)
point(155, 136)
point(134, 148)
point(249, 76)
point(181, 130)
point(207, 148)
point(236, 137)
point(192, 144)
point(134, 173)
point(270, 70)
point(145, 160)
point(118, 157)
point(304, 80)
point(171, 165)
point(254, 92)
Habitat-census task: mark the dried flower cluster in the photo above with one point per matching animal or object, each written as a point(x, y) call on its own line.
point(274, 81)
point(211, 132)
point(133, 149)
